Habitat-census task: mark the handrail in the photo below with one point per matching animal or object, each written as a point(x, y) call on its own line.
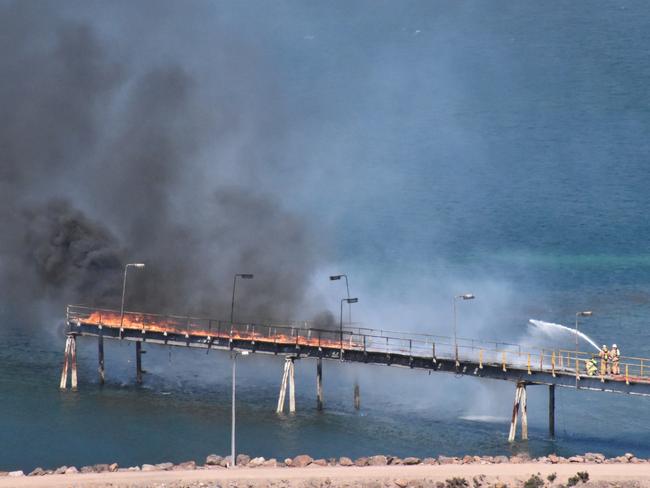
point(399, 335)
point(497, 353)
point(294, 323)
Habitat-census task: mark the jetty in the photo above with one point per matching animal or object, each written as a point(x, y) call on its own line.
point(523, 365)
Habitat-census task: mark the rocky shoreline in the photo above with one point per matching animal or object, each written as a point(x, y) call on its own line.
point(213, 462)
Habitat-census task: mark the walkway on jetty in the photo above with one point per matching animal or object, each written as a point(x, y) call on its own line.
point(522, 364)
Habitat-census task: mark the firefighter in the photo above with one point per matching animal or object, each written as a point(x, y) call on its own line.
point(615, 357)
point(592, 366)
point(604, 361)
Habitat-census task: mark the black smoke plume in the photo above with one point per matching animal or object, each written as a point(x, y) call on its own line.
point(108, 156)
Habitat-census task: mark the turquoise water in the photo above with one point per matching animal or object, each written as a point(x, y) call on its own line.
point(438, 148)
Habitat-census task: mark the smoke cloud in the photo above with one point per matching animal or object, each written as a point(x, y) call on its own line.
point(111, 155)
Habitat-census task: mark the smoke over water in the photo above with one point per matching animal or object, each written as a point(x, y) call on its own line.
point(109, 158)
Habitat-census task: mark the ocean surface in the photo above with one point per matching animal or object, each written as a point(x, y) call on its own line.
point(496, 148)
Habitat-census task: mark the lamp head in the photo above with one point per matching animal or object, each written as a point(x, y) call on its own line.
point(246, 276)
point(136, 265)
point(586, 313)
point(466, 296)
point(335, 277)
point(351, 300)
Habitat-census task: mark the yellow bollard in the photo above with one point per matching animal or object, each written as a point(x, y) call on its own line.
point(627, 375)
point(503, 362)
point(529, 372)
point(553, 364)
point(480, 359)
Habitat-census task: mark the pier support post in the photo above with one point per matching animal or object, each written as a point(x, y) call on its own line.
point(138, 362)
point(319, 384)
point(73, 363)
point(63, 384)
point(520, 404)
point(524, 413)
point(100, 356)
point(287, 379)
point(357, 397)
point(551, 411)
point(69, 362)
point(283, 388)
point(292, 388)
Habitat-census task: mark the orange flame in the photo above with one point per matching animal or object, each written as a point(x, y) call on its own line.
point(135, 321)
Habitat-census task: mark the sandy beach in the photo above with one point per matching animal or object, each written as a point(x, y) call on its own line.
point(336, 476)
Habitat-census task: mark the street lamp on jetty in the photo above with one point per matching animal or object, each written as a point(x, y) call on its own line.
point(243, 276)
point(347, 287)
point(585, 313)
point(466, 296)
point(344, 300)
point(126, 268)
point(233, 454)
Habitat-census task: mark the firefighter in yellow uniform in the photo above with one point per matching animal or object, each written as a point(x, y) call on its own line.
point(592, 366)
point(604, 360)
point(615, 357)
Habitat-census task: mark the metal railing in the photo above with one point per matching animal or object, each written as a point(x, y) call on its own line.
point(498, 354)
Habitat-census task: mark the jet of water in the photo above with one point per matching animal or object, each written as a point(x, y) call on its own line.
point(548, 326)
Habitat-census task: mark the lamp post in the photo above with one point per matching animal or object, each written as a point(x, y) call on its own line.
point(126, 268)
point(466, 296)
point(347, 287)
point(343, 300)
point(586, 313)
point(243, 276)
point(233, 457)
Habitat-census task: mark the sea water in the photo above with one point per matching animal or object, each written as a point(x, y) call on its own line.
point(498, 151)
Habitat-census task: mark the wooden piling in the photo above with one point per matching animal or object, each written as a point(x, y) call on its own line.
point(319, 384)
point(520, 403)
point(515, 415)
point(357, 397)
point(551, 410)
point(63, 384)
point(524, 413)
point(288, 379)
point(283, 388)
point(100, 356)
point(73, 362)
point(138, 362)
point(292, 388)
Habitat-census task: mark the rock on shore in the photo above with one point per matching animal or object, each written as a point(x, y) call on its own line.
point(214, 461)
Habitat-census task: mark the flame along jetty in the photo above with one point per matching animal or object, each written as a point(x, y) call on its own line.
point(524, 365)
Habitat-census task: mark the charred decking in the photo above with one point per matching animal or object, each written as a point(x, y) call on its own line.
point(523, 365)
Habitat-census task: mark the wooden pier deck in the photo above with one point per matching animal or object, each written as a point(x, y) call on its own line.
point(521, 364)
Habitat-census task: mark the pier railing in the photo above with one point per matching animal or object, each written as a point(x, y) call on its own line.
point(504, 355)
